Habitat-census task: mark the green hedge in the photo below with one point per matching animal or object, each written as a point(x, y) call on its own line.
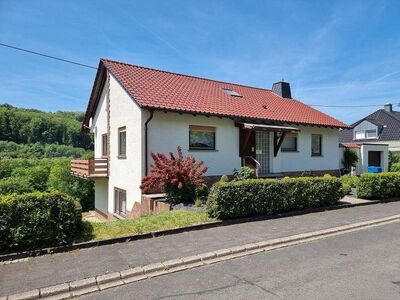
point(379, 186)
point(395, 167)
point(38, 220)
point(268, 196)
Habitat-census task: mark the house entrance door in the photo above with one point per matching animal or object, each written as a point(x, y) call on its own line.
point(262, 151)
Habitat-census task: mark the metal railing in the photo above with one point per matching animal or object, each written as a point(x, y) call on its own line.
point(255, 161)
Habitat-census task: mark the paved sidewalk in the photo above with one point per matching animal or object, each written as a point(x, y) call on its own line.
point(53, 269)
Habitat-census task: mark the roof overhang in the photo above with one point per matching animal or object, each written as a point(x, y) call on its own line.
point(275, 128)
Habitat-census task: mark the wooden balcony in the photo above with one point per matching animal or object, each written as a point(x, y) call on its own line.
point(90, 168)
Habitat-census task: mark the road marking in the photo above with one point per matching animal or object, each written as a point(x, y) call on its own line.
point(105, 281)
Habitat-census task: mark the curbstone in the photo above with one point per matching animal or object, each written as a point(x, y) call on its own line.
point(223, 252)
point(34, 294)
point(238, 249)
point(251, 246)
point(84, 286)
point(191, 259)
point(138, 271)
point(54, 290)
point(207, 255)
point(173, 263)
point(109, 280)
point(153, 268)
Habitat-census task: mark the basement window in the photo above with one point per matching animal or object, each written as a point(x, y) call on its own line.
point(231, 92)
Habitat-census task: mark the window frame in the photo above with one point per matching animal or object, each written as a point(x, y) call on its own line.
point(294, 135)
point(200, 128)
point(314, 154)
point(371, 130)
point(120, 131)
point(104, 146)
point(118, 203)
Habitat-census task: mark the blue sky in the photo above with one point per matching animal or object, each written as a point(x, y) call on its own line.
point(332, 52)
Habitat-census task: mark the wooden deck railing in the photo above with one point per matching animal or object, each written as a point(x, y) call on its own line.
point(90, 168)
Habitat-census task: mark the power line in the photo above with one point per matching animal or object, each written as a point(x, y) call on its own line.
point(48, 56)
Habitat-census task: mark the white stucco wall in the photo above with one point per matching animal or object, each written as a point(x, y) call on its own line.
point(169, 130)
point(302, 159)
point(101, 195)
point(99, 124)
point(126, 173)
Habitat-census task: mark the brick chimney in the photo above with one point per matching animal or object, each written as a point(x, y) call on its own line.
point(282, 89)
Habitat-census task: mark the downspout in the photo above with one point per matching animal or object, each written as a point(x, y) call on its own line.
point(146, 141)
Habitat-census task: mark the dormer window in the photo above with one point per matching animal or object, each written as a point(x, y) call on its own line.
point(231, 92)
point(366, 134)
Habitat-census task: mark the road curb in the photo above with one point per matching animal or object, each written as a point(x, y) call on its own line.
point(109, 280)
point(9, 257)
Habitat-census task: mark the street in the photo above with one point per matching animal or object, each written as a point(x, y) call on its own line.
point(360, 265)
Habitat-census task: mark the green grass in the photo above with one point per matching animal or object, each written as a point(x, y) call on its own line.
point(161, 221)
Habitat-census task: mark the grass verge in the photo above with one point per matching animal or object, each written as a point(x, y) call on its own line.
point(161, 221)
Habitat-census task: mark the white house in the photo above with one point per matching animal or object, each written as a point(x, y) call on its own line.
point(134, 111)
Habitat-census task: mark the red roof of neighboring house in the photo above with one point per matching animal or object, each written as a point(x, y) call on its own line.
point(162, 90)
point(350, 145)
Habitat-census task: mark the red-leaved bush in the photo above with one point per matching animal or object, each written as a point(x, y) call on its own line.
point(178, 176)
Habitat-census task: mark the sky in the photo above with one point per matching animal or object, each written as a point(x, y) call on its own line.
point(331, 52)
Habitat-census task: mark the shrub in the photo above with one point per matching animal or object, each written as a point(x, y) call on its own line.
point(11, 185)
point(349, 182)
point(202, 190)
point(379, 186)
point(224, 178)
point(254, 197)
point(178, 176)
point(244, 173)
point(395, 167)
point(37, 220)
point(350, 157)
point(61, 180)
point(394, 158)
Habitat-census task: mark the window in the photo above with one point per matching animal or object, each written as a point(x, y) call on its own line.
point(122, 142)
point(201, 137)
point(231, 92)
point(120, 201)
point(370, 134)
point(104, 145)
point(289, 142)
point(316, 145)
point(366, 134)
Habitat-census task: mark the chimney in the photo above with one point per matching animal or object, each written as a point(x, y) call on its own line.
point(282, 89)
point(388, 107)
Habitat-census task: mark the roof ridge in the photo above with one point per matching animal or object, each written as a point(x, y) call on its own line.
point(185, 75)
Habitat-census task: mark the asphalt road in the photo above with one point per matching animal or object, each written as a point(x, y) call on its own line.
point(359, 265)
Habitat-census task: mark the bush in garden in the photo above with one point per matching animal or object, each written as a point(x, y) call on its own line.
point(224, 178)
point(244, 173)
point(11, 185)
point(61, 180)
point(379, 186)
point(255, 197)
point(349, 182)
point(37, 220)
point(394, 158)
point(395, 167)
point(179, 176)
point(350, 158)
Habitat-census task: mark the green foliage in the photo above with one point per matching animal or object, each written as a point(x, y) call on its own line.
point(350, 158)
point(244, 173)
point(379, 186)
point(254, 197)
point(61, 180)
point(224, 178)
point(395, 167)
point(11, 185)
point(394, 158)
point(198, 202)
point(37, 220)
point(37, 150)
point(202, 190)
point(29, 126)
point(349, 182)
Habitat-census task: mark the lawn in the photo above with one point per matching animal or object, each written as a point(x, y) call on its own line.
point(161, 221)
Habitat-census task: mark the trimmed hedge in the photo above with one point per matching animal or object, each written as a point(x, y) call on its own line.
point(379, 186)
point(38, 220)
point(395, 167)
point(255, 197)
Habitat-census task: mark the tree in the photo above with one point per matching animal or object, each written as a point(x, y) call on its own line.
point(350, 158)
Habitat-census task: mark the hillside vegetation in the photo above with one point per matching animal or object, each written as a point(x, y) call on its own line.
point(35, 152)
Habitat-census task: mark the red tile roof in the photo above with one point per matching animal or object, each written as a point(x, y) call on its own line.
point(163, 90)
point(350, 145)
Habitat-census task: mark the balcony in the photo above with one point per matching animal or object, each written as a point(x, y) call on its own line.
point(90, 168)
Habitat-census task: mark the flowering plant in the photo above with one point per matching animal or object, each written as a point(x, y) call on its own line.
point(177, 175)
